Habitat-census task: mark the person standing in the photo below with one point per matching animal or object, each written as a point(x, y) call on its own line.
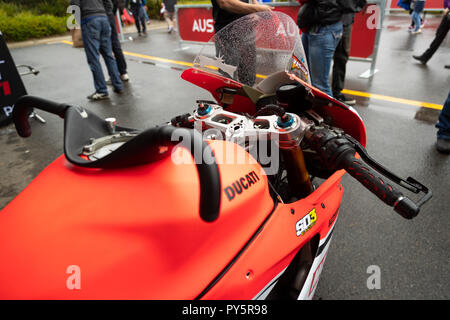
point(225, 12)
point(138, 15)
point(116, 46)
point(96, 34)
point(144, 10)
point(321, 23)
point(419, 5)
point(441, 33)
point(443, 134)
point(340, 58)
point(169, 14)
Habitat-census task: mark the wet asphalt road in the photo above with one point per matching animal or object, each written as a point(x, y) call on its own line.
point(413, 256)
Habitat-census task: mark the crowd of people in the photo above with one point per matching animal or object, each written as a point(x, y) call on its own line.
point(326, 31)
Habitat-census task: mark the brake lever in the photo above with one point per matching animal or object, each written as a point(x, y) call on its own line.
point(410, 183)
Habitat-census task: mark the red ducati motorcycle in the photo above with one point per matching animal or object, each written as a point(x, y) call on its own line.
point(236, 200)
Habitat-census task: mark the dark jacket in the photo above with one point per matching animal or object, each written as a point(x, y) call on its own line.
point(223, 17)
point(317, 13)
point(118, 5)
point(133, 3)
point(170, 5)
point(91, 8)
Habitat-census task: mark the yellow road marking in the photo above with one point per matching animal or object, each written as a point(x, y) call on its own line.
point(393, 99)
point(187, 64)
point(345, 91)
point(143, 56)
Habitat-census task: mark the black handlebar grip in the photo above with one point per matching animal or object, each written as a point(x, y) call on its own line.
point(376, 184)
point(24, 106)
point(208, 171)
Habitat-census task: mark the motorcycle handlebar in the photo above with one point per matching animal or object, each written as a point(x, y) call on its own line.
point(24, 106)
point(208, 171)
point(141, 149)
point(338, 152)
point(376, 184)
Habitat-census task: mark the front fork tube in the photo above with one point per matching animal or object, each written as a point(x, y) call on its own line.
point(298, 177)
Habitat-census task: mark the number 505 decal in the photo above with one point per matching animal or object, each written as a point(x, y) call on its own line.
point(305, 223)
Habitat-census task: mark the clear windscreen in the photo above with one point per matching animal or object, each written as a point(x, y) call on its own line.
point(254, 49)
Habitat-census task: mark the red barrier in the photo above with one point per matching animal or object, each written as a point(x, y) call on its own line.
point(195, 24)
point(363, 37)
point(429, 4)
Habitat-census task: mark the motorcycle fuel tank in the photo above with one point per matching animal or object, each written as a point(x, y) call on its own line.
point(132, 233)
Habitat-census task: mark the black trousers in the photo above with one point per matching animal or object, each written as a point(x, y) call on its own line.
point(116, 47)
point(441, 32)
point(139, 18)
point(340, 59)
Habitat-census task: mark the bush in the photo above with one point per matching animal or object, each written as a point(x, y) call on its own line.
point(153, 8)
point(52, 7)
point(26, 25)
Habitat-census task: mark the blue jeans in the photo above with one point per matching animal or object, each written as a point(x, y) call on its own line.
point(319, 48)
point(444, 121)
point(96, 34)
point(415, 15)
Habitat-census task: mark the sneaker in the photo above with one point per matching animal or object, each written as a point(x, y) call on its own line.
point(420, 58)
point(125, 77)
point(443, 145)
point(347, 100)
point(416, 32)
point(170, 29)
point(118, 91)
point(447, 66)
point(98, 96)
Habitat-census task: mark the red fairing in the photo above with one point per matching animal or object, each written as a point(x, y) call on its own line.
point(213, 82)
point(342, 116)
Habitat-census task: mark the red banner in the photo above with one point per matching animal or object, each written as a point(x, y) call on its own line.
point(195, 24)
point(364, 32)
point(429, 4)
